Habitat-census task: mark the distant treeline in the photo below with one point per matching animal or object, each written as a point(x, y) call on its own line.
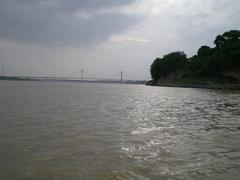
point(220, 63)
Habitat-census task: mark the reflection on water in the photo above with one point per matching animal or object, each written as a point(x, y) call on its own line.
point(104, 131)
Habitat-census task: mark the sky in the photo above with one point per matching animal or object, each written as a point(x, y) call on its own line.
point(105, 37)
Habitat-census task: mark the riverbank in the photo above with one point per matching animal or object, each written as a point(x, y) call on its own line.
point(69, 79)
point(204, 85)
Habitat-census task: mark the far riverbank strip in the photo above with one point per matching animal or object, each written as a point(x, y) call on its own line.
point(70, 79)
point(203, 86)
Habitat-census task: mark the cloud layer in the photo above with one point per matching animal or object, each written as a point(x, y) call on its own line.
point(62, 22)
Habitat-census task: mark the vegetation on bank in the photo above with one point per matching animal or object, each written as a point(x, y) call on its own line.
point(217, 65)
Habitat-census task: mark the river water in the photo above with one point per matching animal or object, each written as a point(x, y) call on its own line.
point(64, 130)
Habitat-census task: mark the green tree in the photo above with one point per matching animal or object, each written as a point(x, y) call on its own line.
point(209, 63)
point(227, 38)
point(204, 51)
point(162, 67)
point(155, 69)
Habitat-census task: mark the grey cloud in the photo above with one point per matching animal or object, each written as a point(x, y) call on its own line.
point(68, 5)
point(202, 26)
point(53, 22)
point(87, 4)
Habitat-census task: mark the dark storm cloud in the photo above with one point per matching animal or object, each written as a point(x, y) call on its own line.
point(55, 21)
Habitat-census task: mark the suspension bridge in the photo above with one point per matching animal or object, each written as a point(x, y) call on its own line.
point(78, 76)
point(87, 76)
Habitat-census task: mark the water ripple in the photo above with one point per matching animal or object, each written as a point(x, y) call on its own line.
point(103, 131)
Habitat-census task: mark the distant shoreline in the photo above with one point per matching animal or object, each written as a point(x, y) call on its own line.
point(202, 86)
point(67, 79)
point(148, 83)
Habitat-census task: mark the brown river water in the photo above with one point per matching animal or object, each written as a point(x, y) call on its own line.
point(64, 130)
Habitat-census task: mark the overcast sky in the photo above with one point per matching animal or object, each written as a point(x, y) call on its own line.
point(104, 37)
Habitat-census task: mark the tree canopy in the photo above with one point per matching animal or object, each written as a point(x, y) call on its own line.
point(172, 62)
point(209, 62)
